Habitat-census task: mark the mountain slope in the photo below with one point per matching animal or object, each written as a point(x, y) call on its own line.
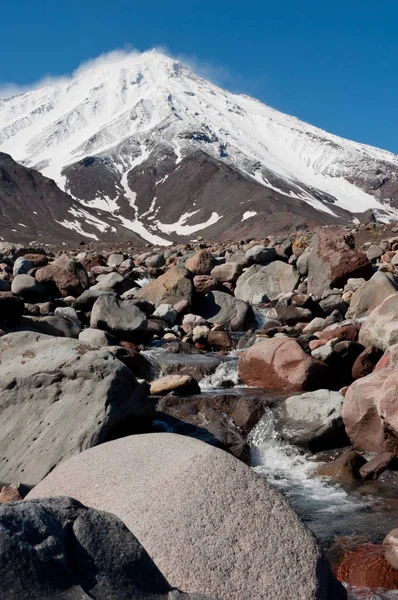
point(32, 207)
point(167, 155)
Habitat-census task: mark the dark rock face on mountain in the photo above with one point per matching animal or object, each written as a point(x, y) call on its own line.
point(33, 208)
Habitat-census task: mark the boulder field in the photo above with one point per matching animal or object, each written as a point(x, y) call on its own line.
point(131, 379)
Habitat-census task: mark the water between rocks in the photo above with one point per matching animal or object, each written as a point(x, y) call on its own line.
point(331, 511)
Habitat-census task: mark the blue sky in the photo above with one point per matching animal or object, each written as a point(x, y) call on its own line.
point(332, 63)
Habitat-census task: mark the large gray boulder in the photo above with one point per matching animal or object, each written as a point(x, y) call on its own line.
point(381, 326)
point(57, 398)
point(226, 310)
point(260, 255)
point(312, 420)
point(266, 283)
point(206, 519)
point(65, 550)
point(113, 282)
point(119, 317)
point(28, 288)
point(370, 294)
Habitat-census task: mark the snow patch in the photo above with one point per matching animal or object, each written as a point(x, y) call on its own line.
point(248, 214)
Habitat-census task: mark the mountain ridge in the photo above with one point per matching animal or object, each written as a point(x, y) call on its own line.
point(96, 133)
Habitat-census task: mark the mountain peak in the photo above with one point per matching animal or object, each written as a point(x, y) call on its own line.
point(128, 114)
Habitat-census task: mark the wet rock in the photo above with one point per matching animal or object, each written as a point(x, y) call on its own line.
point(371, 294)
point(79, 394)
point(207, 497)
point(381, 327)
point(281, 364)
point(375, 466)
point(221, 420)
point(82, 553)
point(333, 260)
point(180, 385)
point(175, 285)
point(366, 362)
point(28, 288)
point(221, 340)
point(223, 309)
point(118, 317)
point(344, 469)
point(367, 567)
point(312, 420)
point(370, 411)
point(65, 276)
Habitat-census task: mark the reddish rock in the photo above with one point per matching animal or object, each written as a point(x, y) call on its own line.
point(169, 288)
point(366, 566)
point(181, 307)
point(37, 260)
point(388, 256)
point(65, 274)
point(389, 358)
point(347, 332)
point(281, 364)
point(344, 469)
point(201, 263)
point(205, 284)
point(374, 467)
point(370, 411)
point(96, 260)
point(333, 260)
point(314, 344)
point(10, 493)
point(390, 547)
point(366, 362)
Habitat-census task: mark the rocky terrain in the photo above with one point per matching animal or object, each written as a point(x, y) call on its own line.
point(145, 393)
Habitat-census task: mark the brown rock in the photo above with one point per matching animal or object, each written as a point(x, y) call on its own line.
point(281, 364)
point(370, 411)
point(66, 275)
point(37, 260)
point(205, 283)
point(366, 566)
point(169, 288)
point(176, 383)
point(344, 469)
point(10, 493)
point(201, 263)
point(333, 260)
point(347, 332)
point(366, 362)
point(96, 260)
point(220, 340)
point(374, 467)
point(227, 272)
point(314, 344)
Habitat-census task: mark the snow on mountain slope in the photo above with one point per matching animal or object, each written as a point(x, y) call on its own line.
point(120, 136)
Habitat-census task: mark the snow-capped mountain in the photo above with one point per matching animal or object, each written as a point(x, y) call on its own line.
point(148, 147)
